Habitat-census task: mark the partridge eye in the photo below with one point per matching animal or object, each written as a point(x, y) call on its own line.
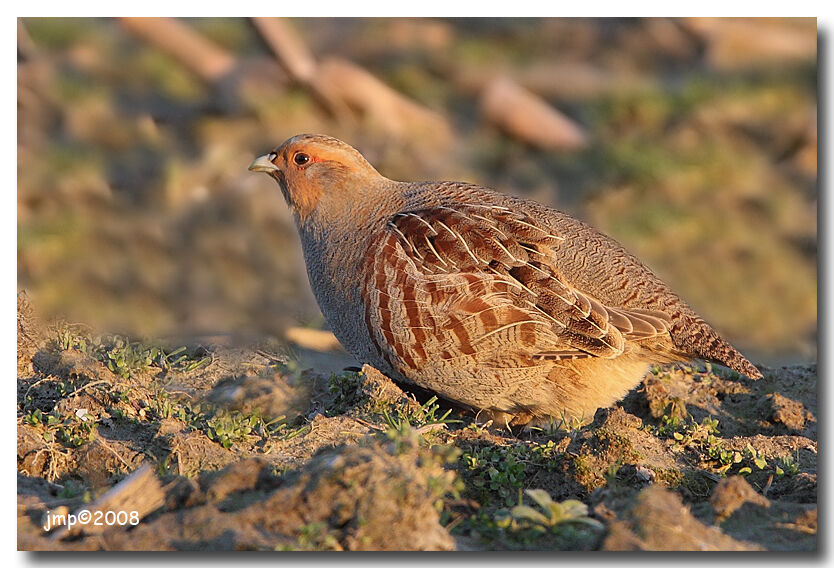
point(301, 158)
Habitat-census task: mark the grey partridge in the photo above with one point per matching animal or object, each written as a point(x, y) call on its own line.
point(491, 301)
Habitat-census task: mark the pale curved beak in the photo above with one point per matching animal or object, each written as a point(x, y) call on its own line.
point(263, 164)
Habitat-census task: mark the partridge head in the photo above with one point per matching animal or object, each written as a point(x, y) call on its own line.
point(494, 302)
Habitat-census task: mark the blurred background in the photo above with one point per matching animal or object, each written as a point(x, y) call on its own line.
point(693, 142)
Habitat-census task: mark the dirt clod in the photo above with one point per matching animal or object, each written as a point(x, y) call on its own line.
point(789, 412)
point(658, 520)
point(733, 492)
point(347, 498)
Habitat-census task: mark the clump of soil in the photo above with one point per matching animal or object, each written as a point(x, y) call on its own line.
point(345, 498)
point(658, 520)
point(731, 493)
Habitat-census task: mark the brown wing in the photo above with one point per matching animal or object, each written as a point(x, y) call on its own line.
point(483, 281)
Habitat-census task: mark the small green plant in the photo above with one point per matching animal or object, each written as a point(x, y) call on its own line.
point(70, 337)
point(75, 435)
point(552, 514)
point(669, 425)
point(545, 453)
point(228, 427)
point(562, 423)
point(315, 536)
point(725, 458)
point(347, 392)
point(425, 415)
point(71, 431)
point(611, 472)
point(124, 357)
point(758, 460)
point(73, 490)
point(495, 472)
point(403, 438)
point(788, 465)
point(164, 406)
point(37, 417)
point(163, 467)
point(701, 438)
point(64, 388)
point(180, 361)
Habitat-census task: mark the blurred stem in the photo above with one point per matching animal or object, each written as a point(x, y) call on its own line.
point(191, 49)
point(25, 46)
point(289, 49)
point(300, 64)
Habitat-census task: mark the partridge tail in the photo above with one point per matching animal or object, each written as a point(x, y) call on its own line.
point(725, 353)
point(692, 334)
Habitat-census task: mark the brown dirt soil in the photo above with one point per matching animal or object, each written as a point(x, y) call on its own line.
point(254, 453)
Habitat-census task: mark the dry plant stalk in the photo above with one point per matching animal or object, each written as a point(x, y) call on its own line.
point(377, 103)
point(347, 90)
point(292, 53)
point(210, 62)
point(525, 116)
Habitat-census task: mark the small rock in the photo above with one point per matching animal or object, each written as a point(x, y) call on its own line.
point(645, 473)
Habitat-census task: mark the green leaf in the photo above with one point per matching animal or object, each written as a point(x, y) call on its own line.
point(540, 496)
point(530, 514)
point(176, 352)
point(573, 508)
point(503, 522)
